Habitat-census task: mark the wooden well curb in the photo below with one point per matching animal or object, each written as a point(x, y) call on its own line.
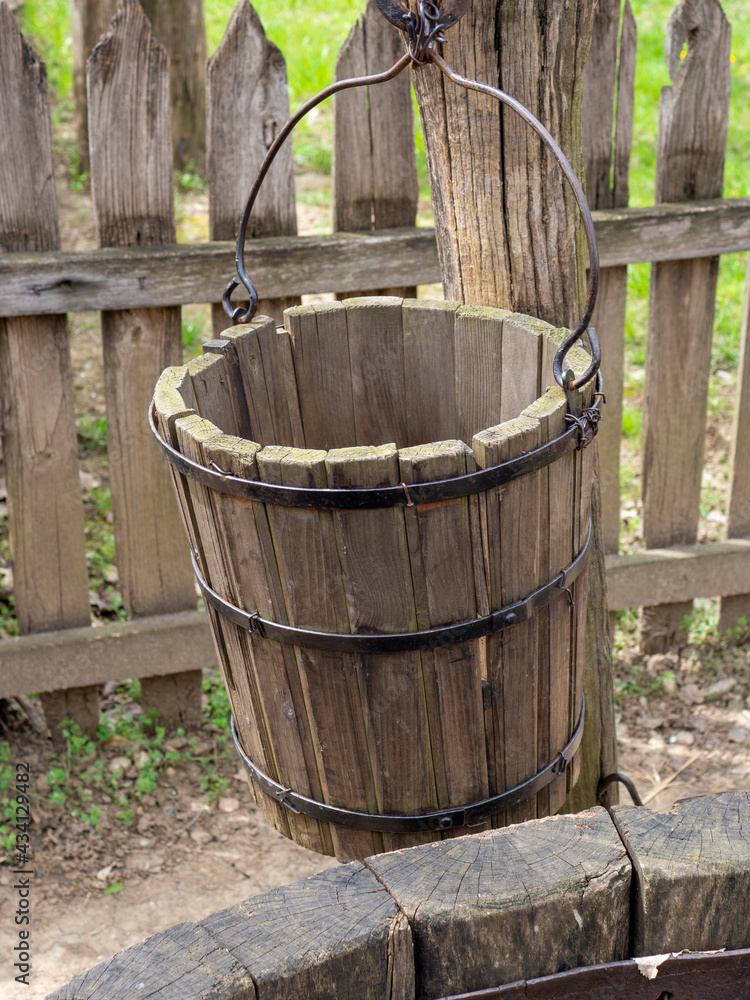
point(464, 914)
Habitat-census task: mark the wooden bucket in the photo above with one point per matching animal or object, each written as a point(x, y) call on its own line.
point(365, 394)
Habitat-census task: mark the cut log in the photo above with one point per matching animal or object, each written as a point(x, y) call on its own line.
point(356, 942)
point(692, 873)
point(563, 884)
point(183, 961)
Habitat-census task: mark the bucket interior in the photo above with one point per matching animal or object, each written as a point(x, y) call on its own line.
point(375, 371)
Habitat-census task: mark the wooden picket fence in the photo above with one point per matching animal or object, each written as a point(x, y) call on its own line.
point(140, 277)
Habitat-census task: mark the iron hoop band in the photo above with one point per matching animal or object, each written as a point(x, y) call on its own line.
point(384, 496)
point(400, 642)
point(446, 819)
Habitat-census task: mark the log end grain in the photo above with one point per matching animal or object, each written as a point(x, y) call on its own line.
point(512, 904)
point(692, 873)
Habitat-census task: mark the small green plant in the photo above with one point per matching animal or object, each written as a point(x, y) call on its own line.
point(193, 334)
point(92, 434)
point(217, 713)
point(702, 625)
point(632, 422)
point(657, 685)
point(80, 180)
point(7, 804)
point(188, 179)
point(8, 620)
point(737, 635)
point(632, 685)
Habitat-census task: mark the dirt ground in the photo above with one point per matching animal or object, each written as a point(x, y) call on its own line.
point(181, 859)
point(169, 874)
point(679, 735)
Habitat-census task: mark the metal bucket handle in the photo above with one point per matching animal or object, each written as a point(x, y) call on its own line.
point(425, 29)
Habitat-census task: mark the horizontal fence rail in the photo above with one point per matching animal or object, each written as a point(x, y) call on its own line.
point(183, 274)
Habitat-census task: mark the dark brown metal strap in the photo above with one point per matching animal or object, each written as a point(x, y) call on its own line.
point(580, 433)
point(623, 779)
point(445, 819)
point(693, 976)
point(401, 642)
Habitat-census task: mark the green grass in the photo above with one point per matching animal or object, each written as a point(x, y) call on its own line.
point(46, 23)
point(308, 32)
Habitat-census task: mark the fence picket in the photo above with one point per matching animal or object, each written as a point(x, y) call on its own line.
point(40, 450)
point(89, 20)
point(128, 86)
point(733, 609)
point(691, 150)
point(248, 102)
point(179, 26)
point(375, 182)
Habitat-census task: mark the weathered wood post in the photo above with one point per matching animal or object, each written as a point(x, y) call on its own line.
point(508, 229)
point(691, 150)
point(89, 22)
point(608, 98)
point(37, 416)
point(375, 184)
point(733, 610)
point(179, 26)
point(246, 82)
point(131, 176)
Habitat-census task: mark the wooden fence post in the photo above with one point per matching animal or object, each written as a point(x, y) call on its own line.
point(38, 419)
point(691, 150)
point(131, 172)
point(179, 26)
point(89, 21)
point(609, 83)
point(375, 184)
point(248, 102)
point(734, 609)
point(515, 242)
point(613, 46)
